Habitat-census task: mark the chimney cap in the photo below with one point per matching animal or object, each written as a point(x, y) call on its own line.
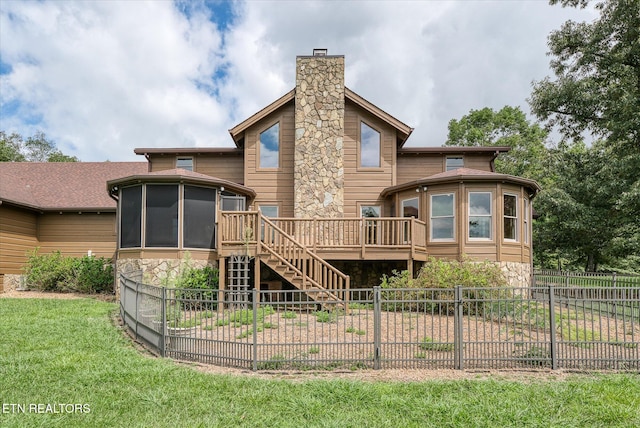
point(320, 52)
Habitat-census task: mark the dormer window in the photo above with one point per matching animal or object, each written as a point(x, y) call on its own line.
point(454, 162)
point(369, 147)
point(184, 163)
point(270, 147)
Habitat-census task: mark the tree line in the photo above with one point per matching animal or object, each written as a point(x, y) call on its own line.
point(588, 213)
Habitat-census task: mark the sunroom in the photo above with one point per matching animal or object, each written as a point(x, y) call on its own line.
point(163, 216)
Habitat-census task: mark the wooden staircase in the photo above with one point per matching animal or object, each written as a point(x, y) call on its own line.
point(300, 266)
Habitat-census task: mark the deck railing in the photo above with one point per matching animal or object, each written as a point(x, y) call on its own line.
point(336, 233)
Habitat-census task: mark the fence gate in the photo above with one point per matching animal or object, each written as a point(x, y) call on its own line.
point(239, 281)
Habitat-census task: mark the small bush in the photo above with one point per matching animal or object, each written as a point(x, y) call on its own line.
point(483, 280)
point(197, 288)
point(55, 272)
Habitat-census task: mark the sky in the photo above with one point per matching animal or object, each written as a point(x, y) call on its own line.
point(101, 78)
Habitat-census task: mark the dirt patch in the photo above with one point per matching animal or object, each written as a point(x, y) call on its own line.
point(32, 294)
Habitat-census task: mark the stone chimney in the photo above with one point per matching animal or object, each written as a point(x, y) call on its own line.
point(319, 121)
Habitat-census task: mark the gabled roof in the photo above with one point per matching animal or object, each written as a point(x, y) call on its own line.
point(62, 186)
point(463, 175)
point(179, 175)
point(403, 130)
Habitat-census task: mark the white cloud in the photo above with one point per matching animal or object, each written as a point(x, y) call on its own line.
point(106, 77)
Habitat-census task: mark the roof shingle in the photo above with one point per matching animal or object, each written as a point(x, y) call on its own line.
point(63, 185)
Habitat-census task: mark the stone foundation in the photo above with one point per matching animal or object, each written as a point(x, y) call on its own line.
point(11, 282)
point(517, 274)
point(162, 272)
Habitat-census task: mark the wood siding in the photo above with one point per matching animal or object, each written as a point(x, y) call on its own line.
point(227, 167)
point(74, 234)
point(272, 186)
point(363, 186)
point(18, 236)
point(413, 166)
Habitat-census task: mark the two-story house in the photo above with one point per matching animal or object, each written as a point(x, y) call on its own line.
point(321, 192)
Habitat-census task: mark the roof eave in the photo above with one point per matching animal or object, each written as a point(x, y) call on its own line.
point(172, 178)
point(237, 132)
point(462, 178)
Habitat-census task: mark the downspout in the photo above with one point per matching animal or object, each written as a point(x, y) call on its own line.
point(491, 163)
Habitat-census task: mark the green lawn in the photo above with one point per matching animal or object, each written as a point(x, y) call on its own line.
point(69, 352)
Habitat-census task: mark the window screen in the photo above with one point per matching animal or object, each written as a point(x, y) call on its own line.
point(130, 217)
point(162, 216)
point(199, 217)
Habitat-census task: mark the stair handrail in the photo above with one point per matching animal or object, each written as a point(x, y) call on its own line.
point(306, 251)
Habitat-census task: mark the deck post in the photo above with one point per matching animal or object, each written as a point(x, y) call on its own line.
point(362, 239)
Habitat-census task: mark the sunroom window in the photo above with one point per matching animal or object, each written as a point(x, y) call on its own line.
point(199, 217)
point(510, 212)
point(131, 217)
point(442, 217)
point(480, 215)
point(161, 219)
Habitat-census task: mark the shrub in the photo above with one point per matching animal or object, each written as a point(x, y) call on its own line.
point(483, 280)
point(197, 288)
point(55, 272)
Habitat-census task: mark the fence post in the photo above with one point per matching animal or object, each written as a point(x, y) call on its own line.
point(377, 323)
point(163, 322)
point(254, 304)
point(137, 306)
point(566, 279)
point(458, 331)
point(552, 327)
point(613, 280)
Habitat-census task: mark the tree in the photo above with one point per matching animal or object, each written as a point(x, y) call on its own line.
point(597, 68)
point(10, 148)
point(581, 218)
point(507, 127)
point(13, 148)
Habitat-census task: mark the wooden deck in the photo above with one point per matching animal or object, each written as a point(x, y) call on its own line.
point(390, 238)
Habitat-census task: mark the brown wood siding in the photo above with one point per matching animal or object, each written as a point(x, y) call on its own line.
point(365, 185)
point(481, 162)
point(413, 167)
point(75, 234)
point(18, 236)
point(227, 167)
point(275, 185)
point(162, 162)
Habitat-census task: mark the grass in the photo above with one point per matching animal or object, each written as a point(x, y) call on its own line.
point(352, 329)
point(428, 344)
point(68, 351)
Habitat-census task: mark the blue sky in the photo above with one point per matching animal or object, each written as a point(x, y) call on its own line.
point(101, 78)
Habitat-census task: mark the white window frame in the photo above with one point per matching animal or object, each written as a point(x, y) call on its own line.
point(452, 216)
point(525, 217)
point(514, 218)
point(490, 216)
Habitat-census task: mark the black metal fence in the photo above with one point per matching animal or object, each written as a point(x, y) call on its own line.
point(546, 326)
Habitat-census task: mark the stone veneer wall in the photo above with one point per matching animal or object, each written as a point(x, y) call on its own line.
point(319, 135)
point(11, 282)
point(158, 271)
point(518, 274)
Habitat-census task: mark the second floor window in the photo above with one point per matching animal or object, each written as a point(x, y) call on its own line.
point(270, 147)
point(369, 147)
point(454, 162)
point(185, 163)
point(480, 215)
